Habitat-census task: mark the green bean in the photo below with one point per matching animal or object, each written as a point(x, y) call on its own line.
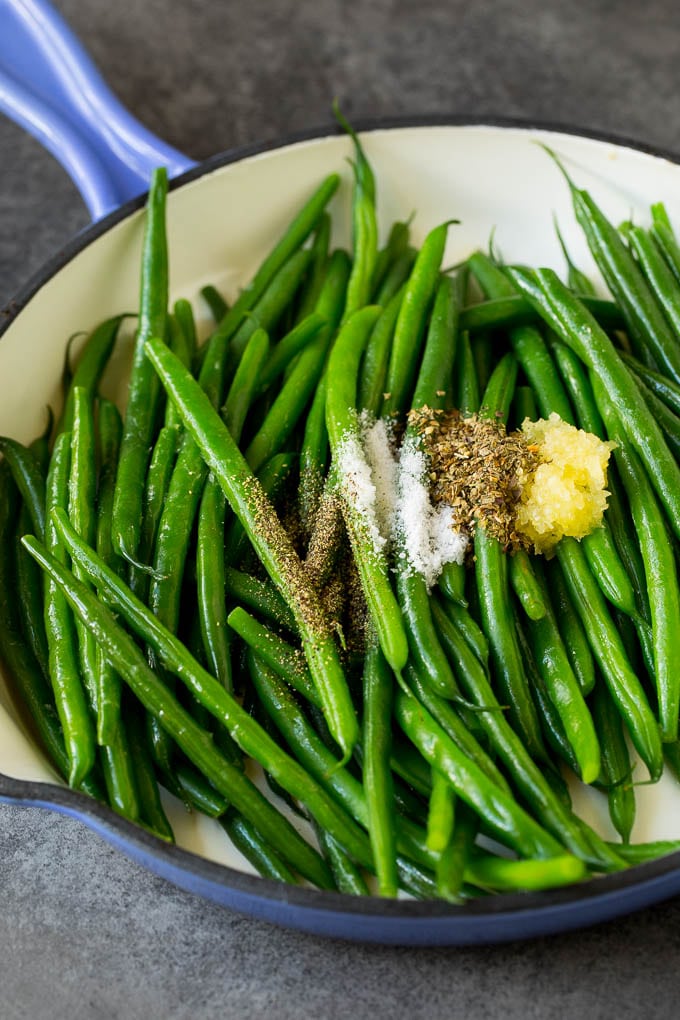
point(249, 842)
point(29, 478)
point(503, 875)
point(550, 719)
point(150, 805)
point(567, 316)
point(30, 596)
point(409, 327)
point(470, 631)
point(609, 568)
point(514, 310)
point(396, 277)
point(606, 645)
point(342, 427)
point(577, 281)
point(286, 661)
point(525, 586)
point(314, 754)
point(364, 227)
point(662, 387)
point(491, 570)
point(451, 583)
point(314, 448)
point(376, 357)
point(81, 509)
point(662, 231)
point(215, 302)
point(184, 315)
point(647, 328)
point(525, 404)
point(669, 422)
point(182, 501)
point(69, 748)
point(484, 355)
point(92, 361)
point(448, 718)
point(424, 646)
point(250, 736)
point(119, 776)
point(640, 853)
point(210, 582)
point(453, 862)
point(378, 685)
point(415, 880)
point(161, 467)
point(276, 299)
point(258, 595)
point(660, 572)
point(616, 764)
point(440, 814)
point(563, 688)
point(439, 352)
point(196, 792)
point(468, 397)
point(108, 685)
point(347, 875)
point(318, 265)
point(500, 390)
point(64, 662)
point(571, 629)
point(327, 536)
point(174, 532)
point(273, 478)
point(397, 244)
point(143, 388)
point(409, 767)
point(287, 348)
point(656, 271)
point(289, 404)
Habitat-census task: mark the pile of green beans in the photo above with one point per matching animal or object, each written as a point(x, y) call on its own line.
point(198, 593)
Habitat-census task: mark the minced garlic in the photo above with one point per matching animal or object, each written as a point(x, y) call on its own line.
point(567, 493)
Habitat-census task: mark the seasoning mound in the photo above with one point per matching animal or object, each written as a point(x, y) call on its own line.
point(528, 488)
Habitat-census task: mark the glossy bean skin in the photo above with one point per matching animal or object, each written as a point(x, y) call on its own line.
point(144, 391)
point(64, 662)
point(617, 771)
point(378, 695)
point(661, 574)
point(564, 690)
point(409, 327)
point(609, 652)
point(341, 423)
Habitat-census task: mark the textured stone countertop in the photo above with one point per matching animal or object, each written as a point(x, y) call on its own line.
point(84, 933)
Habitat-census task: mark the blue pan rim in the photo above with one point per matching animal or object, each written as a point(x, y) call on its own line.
point(502, 917)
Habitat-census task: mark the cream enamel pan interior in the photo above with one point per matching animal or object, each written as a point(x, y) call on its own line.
point(221, 223)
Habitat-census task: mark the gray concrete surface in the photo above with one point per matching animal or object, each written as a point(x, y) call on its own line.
point(84, 933)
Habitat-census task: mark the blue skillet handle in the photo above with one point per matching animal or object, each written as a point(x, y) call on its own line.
point(50, 86)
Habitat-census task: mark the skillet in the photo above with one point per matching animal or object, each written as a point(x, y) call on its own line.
point(223, 215)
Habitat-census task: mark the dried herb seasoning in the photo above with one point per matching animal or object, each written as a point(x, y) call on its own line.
point(477, 468)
